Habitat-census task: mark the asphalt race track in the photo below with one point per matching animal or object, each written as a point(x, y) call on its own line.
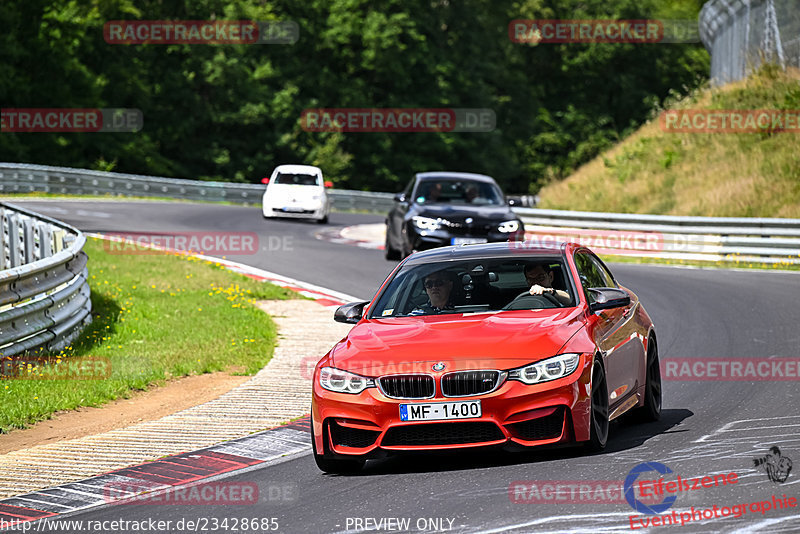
point(708, 427)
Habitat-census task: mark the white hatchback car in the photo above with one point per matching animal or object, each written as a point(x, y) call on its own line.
point(296, 191)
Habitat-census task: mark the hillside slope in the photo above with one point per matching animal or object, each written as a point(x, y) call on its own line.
point(713, 174)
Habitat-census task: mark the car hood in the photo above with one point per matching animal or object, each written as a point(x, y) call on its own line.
point(458, 213)
point(502, 340)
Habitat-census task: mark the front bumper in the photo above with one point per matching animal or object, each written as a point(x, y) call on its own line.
point(313, 210)
point(428, 239)
point(513, 416)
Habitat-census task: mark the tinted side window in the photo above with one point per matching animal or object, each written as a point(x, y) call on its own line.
point(407, 190)
point(589, 273)
point(604, 273)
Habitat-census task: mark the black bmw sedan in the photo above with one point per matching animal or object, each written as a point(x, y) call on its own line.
point(449, 208)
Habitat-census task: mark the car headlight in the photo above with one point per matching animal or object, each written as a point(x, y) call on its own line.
point(508, 227)
point(426, 223)
point(546, 370)
point(340, 381)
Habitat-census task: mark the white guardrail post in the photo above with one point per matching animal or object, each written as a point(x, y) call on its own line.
point(44, 290)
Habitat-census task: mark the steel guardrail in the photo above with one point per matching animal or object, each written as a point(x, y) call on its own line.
point(767, 240)
point(25, 178)
point(740, 239)
point(44, 290)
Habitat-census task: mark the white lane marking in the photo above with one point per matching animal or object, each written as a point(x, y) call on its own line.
point(93, 214)
point(761, 525)
point(728, 425)
point(571, 517)
point(46, 209)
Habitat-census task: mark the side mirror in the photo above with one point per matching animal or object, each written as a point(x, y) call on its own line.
point(328, 184)
point(606, 298)
point(350, 313)
point(265, 180)
point(400, 197)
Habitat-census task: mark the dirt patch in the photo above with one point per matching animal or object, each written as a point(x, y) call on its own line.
point(174, 396)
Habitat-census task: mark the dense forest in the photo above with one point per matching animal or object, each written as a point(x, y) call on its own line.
point(233, 111)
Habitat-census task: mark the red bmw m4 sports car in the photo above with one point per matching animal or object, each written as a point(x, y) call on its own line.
point(504, 344)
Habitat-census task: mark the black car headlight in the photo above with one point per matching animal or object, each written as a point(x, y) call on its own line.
point(508, 227)
point(546, 370)
point(340, 381)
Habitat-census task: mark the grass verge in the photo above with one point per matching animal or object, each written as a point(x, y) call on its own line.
point(703, 264)
point(155, 317)
point(710, 174)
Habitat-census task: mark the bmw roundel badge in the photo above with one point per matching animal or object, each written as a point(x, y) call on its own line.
point(438, 366)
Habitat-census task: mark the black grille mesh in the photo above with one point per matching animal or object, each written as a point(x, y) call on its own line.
point(469, 382)
point(442, 434)
point(344, 436)
point(547, 427)
point(408, 386)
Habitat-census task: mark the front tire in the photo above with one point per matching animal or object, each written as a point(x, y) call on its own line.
point(598, 414)
point(323, 220)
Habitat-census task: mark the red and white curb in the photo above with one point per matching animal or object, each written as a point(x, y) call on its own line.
point(323, 295)
point(361, 235)
point(129, 484)
point(189, 468)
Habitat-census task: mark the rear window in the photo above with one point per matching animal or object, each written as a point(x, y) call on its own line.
point(296, 179)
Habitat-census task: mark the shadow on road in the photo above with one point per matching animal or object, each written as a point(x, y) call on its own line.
point(624, 435)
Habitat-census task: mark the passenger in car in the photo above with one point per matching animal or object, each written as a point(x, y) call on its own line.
point(540, 279)
point(439, 287)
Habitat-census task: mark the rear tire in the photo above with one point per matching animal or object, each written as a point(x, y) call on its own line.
point(598, 414)
point(333, 466)
point(651, 410)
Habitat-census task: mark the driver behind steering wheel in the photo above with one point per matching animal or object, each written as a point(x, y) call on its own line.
point(540, 279)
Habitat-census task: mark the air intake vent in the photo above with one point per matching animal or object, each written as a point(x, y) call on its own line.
point(442, 434)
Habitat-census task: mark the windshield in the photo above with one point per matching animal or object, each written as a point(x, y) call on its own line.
point(457, 192)
point(474, 286)
point(296, 179)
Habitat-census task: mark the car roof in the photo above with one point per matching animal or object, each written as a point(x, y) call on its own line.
point(448, 174)
point(298, 169)
point(521, 250)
